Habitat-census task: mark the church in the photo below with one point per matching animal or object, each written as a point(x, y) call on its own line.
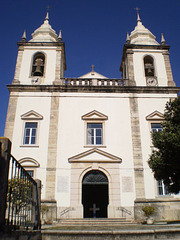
point(88, 139)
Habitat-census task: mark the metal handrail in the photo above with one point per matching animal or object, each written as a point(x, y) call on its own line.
point(22, 199)
point(66, 210)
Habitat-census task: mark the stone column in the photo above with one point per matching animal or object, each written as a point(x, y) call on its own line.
point(130, 68)
point(5, 154)
point(10, 119)
point(18, 65)
point(170, 82)
point(58, 66)
point(37, 198)
point(52, 147)
point(136, 144)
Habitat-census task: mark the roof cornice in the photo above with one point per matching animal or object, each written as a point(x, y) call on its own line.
point(97, 89)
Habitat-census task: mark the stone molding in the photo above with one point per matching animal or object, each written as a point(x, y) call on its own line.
point(10, 119)
point(18, 65)
point(156, 115)
point(97, 89)
point(137, 149)
point(108, 158)
point(94, 115)
point(52, 148)
point(168, 69)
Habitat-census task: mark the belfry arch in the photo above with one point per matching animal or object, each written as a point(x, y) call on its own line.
point(95, 194)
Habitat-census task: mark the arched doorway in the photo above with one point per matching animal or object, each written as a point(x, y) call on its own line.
point(95, 197)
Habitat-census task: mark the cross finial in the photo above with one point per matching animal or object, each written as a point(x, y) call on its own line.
point(92, 66)
point(47, 15)
point(48, 7)
point(137, 9)
point(138, 17)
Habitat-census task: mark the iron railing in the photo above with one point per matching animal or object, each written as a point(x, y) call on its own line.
point(23, 201)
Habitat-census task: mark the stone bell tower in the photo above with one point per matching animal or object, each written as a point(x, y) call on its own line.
point(42, 59)
point(145, 62)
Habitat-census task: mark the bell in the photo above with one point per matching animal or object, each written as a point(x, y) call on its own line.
point(149, 69)
point(38, 67)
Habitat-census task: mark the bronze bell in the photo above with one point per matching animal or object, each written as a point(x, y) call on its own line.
point(38, 67)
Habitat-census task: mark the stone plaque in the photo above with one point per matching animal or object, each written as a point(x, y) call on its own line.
point(62, 184)
point(127, 184)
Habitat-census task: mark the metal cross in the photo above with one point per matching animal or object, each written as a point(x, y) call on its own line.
point(137, 9)
point(94, 209)
point(92, 66)
point(48, 7)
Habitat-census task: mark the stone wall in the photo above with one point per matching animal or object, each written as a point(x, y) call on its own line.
point(166, 209)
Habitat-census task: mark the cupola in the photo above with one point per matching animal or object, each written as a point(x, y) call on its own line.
point(141, 35)
point(44, 33)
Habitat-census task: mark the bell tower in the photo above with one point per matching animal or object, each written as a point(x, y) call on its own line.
point(40, 60)
point(145, 62)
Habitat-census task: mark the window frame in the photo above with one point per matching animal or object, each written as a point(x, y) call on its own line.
point(32, 117)
point(160, 184)
point(94, 117)
point(94, 137)
point(30, 136)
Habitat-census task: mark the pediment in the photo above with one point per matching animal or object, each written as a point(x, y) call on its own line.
point(95, 155)
point(94, 115)
point(31, 115)
point(155, 116)
point(29, 162)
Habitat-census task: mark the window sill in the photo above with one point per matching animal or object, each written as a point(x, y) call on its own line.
point(94, 146)
point(30, 145)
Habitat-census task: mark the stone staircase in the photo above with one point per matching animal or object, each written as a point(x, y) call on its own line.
point(94, 221)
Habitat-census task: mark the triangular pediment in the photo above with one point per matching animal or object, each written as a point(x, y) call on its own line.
point(155, 116)
point(95, 155)
point(94, 115)
point(31, 115)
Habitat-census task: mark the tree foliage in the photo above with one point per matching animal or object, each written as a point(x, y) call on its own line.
point(19, 193)
point(165, 158)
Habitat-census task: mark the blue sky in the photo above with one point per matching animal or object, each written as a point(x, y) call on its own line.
point(94, 32)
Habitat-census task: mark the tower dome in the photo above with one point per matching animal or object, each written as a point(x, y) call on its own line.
point(141, 35)
point(44, 33)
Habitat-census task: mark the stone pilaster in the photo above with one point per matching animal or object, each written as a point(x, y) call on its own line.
point(130, 68)
point(58, 66)
point(137, 150)
point(52, 148)
point(171, 83)
point(18, 65)
point(10, 119)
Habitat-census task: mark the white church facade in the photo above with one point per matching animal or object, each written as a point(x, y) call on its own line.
point(88, 139)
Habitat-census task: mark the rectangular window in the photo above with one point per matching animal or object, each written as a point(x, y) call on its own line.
point(30, 133)
point(162, 189)
point(94, 134)
point(156, 127)
point(31, 173)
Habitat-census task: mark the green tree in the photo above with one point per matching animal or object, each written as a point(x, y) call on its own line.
point(165, 158)
point(19, 193)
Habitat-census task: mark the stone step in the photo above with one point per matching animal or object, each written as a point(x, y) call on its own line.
point(96, 222)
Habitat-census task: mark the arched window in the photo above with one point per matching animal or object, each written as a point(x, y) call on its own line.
point(149, 66)
point(38, 64)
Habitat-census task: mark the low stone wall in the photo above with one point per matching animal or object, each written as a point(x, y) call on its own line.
point(115, 235)
point(21, 235)
point(48, 211)
point(166, 209)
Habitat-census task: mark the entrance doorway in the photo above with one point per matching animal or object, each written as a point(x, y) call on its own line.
point(95, 197)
